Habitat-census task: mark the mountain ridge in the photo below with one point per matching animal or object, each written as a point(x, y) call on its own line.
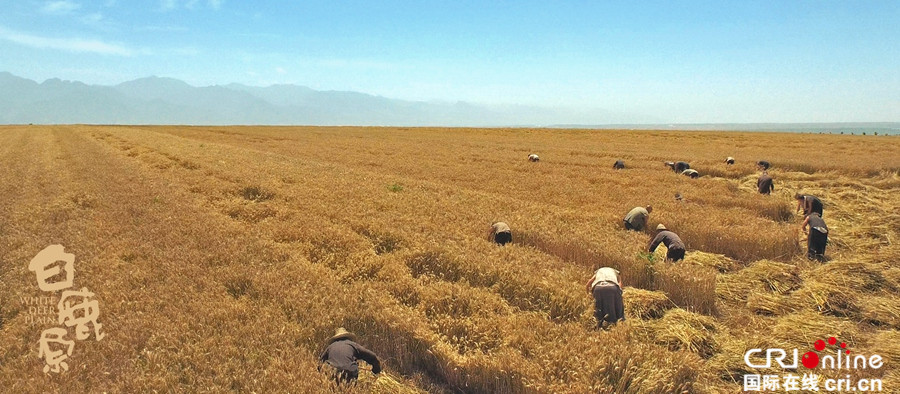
point(164, 101)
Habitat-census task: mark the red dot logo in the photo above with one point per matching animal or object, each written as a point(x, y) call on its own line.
point(810, 360)
point(820, 345)
point(832, 340)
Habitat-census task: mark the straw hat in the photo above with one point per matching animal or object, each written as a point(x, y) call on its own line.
point(342, 333)
point(660, 227)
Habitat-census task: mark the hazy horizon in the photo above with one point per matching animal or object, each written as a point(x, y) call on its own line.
point(693, 62)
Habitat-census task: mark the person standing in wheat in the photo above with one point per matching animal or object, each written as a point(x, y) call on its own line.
point(765, 184)
point(606, 288)
point(340, 357)
point(500, 233)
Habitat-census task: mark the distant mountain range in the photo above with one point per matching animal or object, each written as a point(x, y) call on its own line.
point(155, 100)
point(871, 128)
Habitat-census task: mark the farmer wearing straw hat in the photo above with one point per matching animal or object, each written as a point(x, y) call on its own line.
point(606, 287)
point(533, 158)
point(671, 240)
point(729, 160)
point(341, 355)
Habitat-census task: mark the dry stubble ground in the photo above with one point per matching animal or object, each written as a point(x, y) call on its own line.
point(223, 257)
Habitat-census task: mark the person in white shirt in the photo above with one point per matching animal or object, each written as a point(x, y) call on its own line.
point(606, 287)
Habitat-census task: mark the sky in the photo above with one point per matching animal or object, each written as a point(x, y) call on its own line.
point(665, 61)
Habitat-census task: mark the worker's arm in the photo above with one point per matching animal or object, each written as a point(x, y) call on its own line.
point(490, 234)
point(799, 204)
point(322, 359)
point(805, 223)
point(369, 357)
point(589, 282)
point(655, 243)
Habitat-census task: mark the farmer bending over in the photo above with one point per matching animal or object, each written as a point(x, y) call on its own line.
point(500, 233)
point(606, 287)
point(636, 218)
point(671, 240)
point(341, 355)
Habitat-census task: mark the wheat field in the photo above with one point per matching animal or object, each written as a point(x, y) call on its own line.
point(224, 257)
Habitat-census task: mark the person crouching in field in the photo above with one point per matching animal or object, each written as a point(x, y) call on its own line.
point(809, 204)
point(341, 355)
point(636, 218)
point(606, 287)
point(691, 173)
point(500, 233)
point(763, 165)
point(678, 166)
point(671, 240)
point(818, 236)
point(533, 158)
point(619, 165)
point(765, 184)
point(729, 160)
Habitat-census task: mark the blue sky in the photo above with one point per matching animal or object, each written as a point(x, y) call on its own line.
point(678, 62)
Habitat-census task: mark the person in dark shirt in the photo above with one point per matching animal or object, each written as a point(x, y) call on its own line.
point(763, 165)
point(765, 184)
point(818, 237)
point(729, 160)
point(500, 233)
point(809, 204)
point(341, 355)
point(671, 240)
point(618, 165)
point(691, 173)
point(678, 166)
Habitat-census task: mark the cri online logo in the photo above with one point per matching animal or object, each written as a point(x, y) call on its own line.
point(812, 360)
